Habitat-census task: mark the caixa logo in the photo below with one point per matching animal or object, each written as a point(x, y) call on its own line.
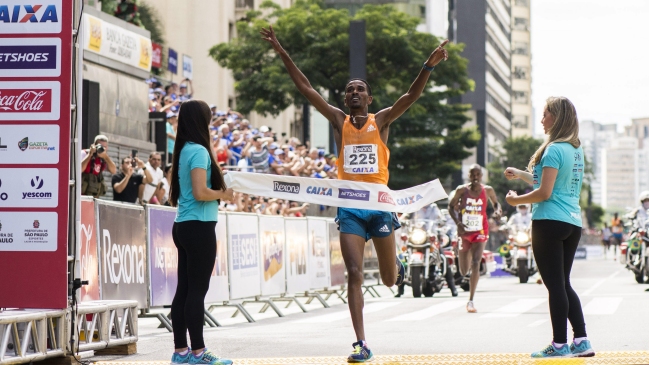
point(29, 13)
point(316, 190)
point(409, 200)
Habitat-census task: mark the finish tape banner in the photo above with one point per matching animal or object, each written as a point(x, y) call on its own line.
point(337, 193)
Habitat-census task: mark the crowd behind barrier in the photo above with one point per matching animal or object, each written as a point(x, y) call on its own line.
point(127, 253)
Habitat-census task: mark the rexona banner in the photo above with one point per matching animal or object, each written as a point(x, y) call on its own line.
point(297, 255)
point(122, 252)
point(273, 258)
point(337, 193)
point(163, 255)
point(117, 43)
point(35, 92)
point(88, 249)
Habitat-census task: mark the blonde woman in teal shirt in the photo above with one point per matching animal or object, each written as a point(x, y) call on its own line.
point(556, 171)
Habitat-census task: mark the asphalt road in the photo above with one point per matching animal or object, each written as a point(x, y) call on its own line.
point(511, 317)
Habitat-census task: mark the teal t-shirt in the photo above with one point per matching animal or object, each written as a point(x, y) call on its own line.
point(194, 156)
point(563, 204)
point(170, 142)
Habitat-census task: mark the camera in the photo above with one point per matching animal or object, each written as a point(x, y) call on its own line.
point(99, 148)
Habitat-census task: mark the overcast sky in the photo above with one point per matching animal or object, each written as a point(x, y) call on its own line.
point(596, 53)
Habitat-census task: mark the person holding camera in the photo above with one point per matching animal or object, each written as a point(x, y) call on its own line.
point(126, 183)
point(93, 163)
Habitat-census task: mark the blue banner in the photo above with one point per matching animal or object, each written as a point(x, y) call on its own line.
point(172, 61)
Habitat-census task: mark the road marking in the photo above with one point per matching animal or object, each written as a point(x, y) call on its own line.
point(587, 292)
point(344, 314)
point(429, 312)
point(514, 309)
point(537, 323)
point(600, 305)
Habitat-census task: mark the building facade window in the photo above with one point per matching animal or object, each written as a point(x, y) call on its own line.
point(524, 3)
point(502, 27)
point(521, 48)
point(496, 76)
point(503, 110)
point(521, 97)
point(521, 121)
point(521, 24)
point(521, 72)
point(496, 46)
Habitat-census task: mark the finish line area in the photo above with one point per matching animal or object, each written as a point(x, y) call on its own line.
point(613, 357)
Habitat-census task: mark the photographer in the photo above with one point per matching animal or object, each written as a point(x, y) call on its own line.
point(93, 163)
point(126, 184)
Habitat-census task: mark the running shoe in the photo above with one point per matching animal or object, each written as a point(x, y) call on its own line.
point(361, 353)
point(179, 359)
point(552, 351)
point(470, 308)
point(208, 358)
point(401, 274)
point(582, 350)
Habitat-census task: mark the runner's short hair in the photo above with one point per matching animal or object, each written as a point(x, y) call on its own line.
point(367, 84)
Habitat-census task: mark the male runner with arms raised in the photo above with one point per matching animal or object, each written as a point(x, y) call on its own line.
point(361, 138)
point(470, 214)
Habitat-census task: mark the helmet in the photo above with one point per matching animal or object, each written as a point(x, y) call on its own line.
point(518, 207)
point(644, 196)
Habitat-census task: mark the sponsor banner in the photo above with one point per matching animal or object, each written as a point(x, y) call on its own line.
point(117, 43)
point(188, 65)
point(122, 252)
point(29, 144)
point(244, 266)
point(336, 264)
point(219, 290)
point(271, 234)
point(28, 231)
point(88, 250)
point(23, 16)
point(163, 255)
point(338, 193)
point(30, 100)
point(297, 247)
point(30, 57)
point(29, 188)
point(172, 61)
point(156, 55)
point(318, 253)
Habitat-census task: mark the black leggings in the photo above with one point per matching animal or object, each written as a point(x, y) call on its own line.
point(196, 243)
point(554, 244)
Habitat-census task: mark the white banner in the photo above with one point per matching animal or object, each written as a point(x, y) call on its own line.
point(337, 193)
point(272, 257)
point(188, 66)
point(117, 43)
point(243, 266)
point(297, 245)
point(318, 253)
point(29, 144)
point(219, 290)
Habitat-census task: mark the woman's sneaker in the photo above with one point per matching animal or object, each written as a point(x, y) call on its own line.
point(178, 359)
point(582, 350)
point(208, 358)
point(361, 353)
point(552, 351)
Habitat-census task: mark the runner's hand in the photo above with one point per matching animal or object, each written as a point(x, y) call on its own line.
point(269, 36)
point(461, 229)
point(438, 55)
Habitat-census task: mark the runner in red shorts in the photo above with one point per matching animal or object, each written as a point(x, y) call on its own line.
point(470, 205)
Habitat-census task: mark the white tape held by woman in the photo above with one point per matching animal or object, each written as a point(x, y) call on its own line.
point(337, 193)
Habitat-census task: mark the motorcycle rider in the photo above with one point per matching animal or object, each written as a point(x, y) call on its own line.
point(644, 205)
point(522, 217)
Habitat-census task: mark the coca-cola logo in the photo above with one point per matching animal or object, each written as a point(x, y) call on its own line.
point(25, 101)
point(385, 198)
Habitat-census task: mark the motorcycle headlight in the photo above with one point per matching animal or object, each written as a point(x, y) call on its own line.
point(418, 236)
point(522, 238)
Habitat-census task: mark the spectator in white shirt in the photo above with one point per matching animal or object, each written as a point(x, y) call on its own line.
point(157, 175)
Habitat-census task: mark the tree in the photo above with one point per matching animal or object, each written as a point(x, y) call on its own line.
point(515, 152)
point(427, 142)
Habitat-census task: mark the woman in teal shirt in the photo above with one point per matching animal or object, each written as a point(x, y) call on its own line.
point(556, 171)
point(196, 187)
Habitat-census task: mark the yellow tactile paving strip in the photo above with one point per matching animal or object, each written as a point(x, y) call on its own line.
point(602, 358)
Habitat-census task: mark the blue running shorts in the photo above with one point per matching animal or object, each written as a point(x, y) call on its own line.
point(366, 223)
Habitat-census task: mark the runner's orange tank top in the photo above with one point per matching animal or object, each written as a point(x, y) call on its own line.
point(363, 155)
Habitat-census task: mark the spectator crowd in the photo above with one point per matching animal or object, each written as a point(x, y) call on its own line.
point(237, 145)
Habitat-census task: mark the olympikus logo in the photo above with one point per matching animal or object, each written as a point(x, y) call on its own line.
point(31, 14)
point(371, 128)
point(284, 187)
point(362, 148)
point(385, 198)
point(21, 100)
point(354, 194)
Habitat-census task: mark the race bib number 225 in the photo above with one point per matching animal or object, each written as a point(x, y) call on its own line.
point(361, 159)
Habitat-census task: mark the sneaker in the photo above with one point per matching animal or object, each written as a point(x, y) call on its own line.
point(582, 350)
point(552, 351)
point(361, 353)
point(401, 273)
point(177, 358)
point(208, 358)
point(470, 308)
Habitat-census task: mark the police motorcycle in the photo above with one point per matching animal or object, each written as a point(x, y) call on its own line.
point(517, 252)
point(424, 243)
point(637, 257)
